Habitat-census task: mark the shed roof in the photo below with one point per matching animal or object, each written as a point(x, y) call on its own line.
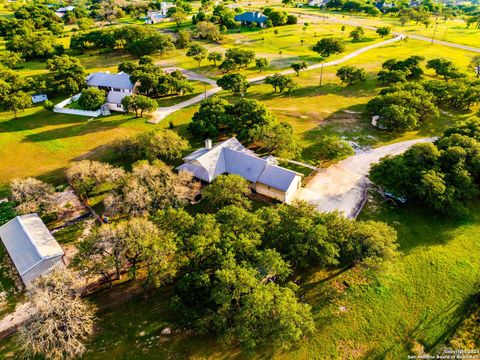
point(28, 242)
point(251, 16)
point(119, 81)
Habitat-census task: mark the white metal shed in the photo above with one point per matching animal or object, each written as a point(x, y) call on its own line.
point(32, 248)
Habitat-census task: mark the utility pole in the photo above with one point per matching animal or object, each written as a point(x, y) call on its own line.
point(435, 30)
point(321, 74)
point(205, 90)
point(445, 33)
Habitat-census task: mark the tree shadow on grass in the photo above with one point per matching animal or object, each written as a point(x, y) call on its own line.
point(37, 120)
point(447, 118)
point(131, 321)
point(356, 91)
point(415, 225)
point(283, 62)
point(353, 91)
point(363, 40)
point(454, 314)
point(55, 176)
point(77, 129)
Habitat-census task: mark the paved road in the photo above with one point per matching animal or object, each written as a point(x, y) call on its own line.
point(343, 186)
point(163, 112)
point(324, 18)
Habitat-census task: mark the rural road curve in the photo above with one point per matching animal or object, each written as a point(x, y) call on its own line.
point(411, 36)
point(342, 187)
point(163, 112)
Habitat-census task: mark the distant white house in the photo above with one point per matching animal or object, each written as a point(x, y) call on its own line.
point(39, 98)
point(60, 12)
point(231, 157)
point(154, 17)
point(317, 3)
point(31, 246)
point(117, 87)
point(384, 6)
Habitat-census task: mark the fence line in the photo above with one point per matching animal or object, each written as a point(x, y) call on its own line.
point(60, 108)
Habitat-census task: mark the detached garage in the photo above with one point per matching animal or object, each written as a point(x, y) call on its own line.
point(31, 246)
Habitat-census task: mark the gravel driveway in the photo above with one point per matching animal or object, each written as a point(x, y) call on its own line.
point(343, 186)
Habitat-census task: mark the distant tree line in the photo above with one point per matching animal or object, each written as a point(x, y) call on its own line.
point(137, 40)
point(353, 6)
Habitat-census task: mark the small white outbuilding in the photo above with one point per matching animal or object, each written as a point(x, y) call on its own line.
point(32, 248)
point(38, 98)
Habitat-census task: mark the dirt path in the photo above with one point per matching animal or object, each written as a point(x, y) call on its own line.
point(343, 186)
point(11, 322)
point(163, 112)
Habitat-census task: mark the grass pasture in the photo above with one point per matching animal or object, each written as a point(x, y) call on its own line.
point(418, 300)
point(335, 108)
point(41, 143)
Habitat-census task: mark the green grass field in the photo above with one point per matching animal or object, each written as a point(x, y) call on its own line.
point(417, 299)
point(41, 143)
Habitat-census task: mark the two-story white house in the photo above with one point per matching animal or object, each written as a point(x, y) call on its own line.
point(117, 87)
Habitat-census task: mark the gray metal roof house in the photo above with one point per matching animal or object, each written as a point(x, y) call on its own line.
point(231, 157)
point(105, 80)
point(251, 18)
point(31, 246)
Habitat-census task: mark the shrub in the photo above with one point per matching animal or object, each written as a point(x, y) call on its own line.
point(333, 149)
point(91, 99)
point(48, 105)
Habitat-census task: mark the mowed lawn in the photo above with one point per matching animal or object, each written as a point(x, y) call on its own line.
point(41, 143)
point(416, 300)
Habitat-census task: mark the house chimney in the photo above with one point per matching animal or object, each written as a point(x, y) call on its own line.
point(208, 144)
